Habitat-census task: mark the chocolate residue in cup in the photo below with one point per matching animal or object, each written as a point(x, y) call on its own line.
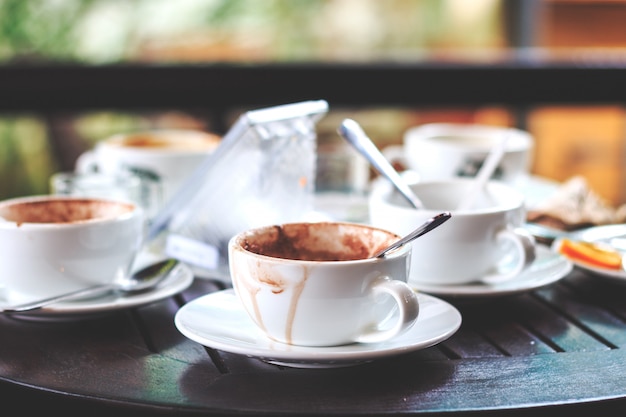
point(358, 248)
point(194, 141)
point(318, 242)
point(62, 210)
point(143, 141)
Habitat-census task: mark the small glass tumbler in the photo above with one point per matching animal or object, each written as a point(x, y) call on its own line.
point(124, 187)
point(341, 183)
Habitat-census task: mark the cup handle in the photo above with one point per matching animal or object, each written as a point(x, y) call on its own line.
point(524, 244)
point(408, 309)
point(86, 163)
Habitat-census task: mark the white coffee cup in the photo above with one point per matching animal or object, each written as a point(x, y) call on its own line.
point(438, 151)
point(485, 243)
point(316, 284)
point(51, 245)
point(162, 158)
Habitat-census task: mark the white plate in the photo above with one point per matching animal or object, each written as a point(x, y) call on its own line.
point(177, 282)
point(614, 235)
point(219, 321)
point(547, 268)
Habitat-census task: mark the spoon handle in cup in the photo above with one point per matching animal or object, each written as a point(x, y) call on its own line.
point(352, 132)
point(426, 227)
point(484, 174)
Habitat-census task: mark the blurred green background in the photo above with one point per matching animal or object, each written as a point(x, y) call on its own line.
point(97, 32)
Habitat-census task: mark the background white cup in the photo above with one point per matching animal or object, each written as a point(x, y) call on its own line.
point(51, 245)
point(446, 150)
point(316, 284)
point(161, 158)
point(484, 244)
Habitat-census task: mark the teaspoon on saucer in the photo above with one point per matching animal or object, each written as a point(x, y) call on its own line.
point(140, 281)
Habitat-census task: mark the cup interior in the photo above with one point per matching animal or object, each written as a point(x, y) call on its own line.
point(166, 140)
point(446, 195)
point(62, 210)
point(323, 241)
point(467, 137)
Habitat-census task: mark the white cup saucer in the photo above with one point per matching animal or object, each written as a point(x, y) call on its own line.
point(98, 305)
point(230, 329)
point(547, 268)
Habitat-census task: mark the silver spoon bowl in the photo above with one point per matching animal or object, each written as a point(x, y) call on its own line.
point(142, 280)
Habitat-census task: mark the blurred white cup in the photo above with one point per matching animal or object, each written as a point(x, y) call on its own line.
point(438, 151)
point(161, 158)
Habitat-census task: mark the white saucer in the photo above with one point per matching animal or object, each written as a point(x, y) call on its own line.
point(547, 268)
point(614, 235)
point(177, 282)
point(219, 321)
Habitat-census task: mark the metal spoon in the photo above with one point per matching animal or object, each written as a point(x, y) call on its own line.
point(353, 133)
point(142, 280)
point(484, 174)
point(429, 225)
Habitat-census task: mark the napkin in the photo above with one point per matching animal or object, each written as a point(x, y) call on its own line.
point(574, 206)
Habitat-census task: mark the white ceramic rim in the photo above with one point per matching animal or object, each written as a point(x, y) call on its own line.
point(112, 141)
point(381, 194)
point(402, 251)
point(519, 141)
point(6, 224)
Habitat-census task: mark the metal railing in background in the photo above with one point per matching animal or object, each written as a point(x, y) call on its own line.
point(520, 83)
point(218, 93)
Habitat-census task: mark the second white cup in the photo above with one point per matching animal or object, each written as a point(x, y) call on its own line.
point(483, 244)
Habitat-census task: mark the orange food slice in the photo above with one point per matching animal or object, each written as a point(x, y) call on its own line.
point(591, 253)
